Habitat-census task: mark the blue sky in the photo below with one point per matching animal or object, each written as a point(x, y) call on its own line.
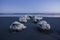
point(29, 6)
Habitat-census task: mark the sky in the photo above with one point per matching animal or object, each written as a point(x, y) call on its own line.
point(29, 6)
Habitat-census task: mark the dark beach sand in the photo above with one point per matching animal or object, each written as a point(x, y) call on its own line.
point(31, 32)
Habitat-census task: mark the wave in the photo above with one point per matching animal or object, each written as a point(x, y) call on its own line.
point(31, 14)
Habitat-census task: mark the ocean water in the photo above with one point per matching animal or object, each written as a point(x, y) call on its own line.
point(19, 14)
point(31, 32)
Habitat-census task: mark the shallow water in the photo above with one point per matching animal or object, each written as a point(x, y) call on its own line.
point(31, 32)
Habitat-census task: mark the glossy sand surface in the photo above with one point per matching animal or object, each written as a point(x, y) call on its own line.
point(31, 33)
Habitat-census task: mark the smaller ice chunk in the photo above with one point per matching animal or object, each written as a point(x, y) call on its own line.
point(37, 18)
point(22, 19)
point(27, 17)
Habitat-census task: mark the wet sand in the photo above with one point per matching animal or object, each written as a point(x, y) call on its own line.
point(31, 32)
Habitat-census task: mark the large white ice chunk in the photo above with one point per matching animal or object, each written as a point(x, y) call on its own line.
point(17, 26)
point(44, 25)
